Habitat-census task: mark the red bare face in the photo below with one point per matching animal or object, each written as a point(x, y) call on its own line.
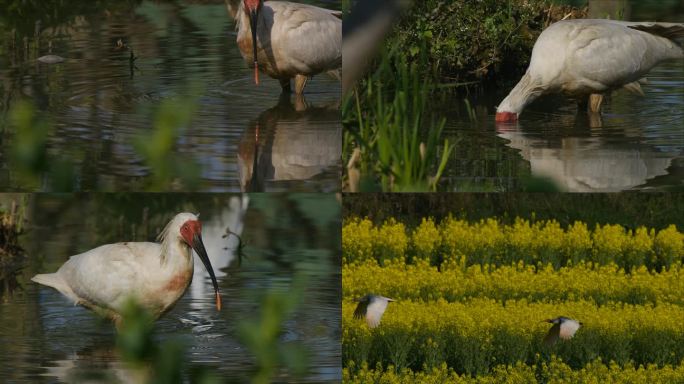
point(506, 117)
point(189, 230)
point(252, 5)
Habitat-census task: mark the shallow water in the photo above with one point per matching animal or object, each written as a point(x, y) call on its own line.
point(47, 339)
point(637, 143)
point(100, 105)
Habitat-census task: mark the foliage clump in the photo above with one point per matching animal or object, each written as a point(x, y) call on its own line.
point(477, 40)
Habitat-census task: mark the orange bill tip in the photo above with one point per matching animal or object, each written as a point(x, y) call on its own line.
point(256, 73)
point(218, 301)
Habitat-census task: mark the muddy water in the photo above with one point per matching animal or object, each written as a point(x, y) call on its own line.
point(637, 143)
point(47, 339)
point(99, 105)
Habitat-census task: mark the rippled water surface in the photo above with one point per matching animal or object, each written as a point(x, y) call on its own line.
point(101, 108)
point(45, 338)
point(637, 143)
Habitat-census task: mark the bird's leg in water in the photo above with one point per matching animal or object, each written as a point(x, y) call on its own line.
point(300, 83)
point(595, 101)
point(285, 83)
point(595, 120)
point(300, 103)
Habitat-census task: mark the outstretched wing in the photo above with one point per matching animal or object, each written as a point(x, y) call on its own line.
point(360, 311)
point(552, 336)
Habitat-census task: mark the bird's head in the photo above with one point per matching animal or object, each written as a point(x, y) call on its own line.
point(253, 8)
point(506, 117)
point(191, 234)
point(552, 321)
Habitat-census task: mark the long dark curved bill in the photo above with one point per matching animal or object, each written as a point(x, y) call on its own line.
point(198, 246)
point(253, 20)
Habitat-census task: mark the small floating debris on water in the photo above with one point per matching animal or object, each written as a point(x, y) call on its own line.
point(51, 59)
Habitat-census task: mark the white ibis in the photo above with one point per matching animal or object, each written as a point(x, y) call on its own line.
point(563, 328)
point(372, 307)
point(289, 40)
point(155, 274)
point(585, 59)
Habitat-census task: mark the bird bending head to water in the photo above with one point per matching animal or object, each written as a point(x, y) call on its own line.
point(586, 59)
point(154, 274)
point(372, 307)
point(563, 328)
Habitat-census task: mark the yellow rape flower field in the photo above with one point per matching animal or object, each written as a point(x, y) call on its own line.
point(472, 297)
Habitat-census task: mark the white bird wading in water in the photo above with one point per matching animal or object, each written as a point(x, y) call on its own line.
point(289, 40)
point(155, 274)
point(586, 59)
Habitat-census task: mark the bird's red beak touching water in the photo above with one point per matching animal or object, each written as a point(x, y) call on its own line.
point(506, 117)
point(192, 234)
point(253, 8)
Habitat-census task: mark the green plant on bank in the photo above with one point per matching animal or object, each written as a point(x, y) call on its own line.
point(262, 335)
point(149, 361)
point(167, 167)
point(33, 166)
point(30, 160)
point(387, 122)
point(12, 254)
point(152, 362)
point(474, 41)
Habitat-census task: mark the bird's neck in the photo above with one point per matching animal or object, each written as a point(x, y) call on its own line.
point(242, 20)
point(176, 256)
point(522, 94)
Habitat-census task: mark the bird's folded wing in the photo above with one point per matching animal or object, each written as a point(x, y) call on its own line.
point(107, 275)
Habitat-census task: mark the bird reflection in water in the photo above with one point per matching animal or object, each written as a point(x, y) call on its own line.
point(290, 142)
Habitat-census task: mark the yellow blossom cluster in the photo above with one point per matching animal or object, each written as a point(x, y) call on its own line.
point(490, 242)
point(550, 371)
point(459, 282)
point(475, 336)
point(472, 297)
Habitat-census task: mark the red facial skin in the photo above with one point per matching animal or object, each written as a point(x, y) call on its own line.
point(252, 5)
point(506, 117)
point(189, 230)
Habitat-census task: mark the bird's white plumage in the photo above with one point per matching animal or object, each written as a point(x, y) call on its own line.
point(103, 278)
point(292, 39)
point(582, 57)
point(563, 328)
point(376, 308)
point(568, 327)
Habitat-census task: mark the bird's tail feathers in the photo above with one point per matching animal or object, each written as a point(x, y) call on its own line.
point(667, 30)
